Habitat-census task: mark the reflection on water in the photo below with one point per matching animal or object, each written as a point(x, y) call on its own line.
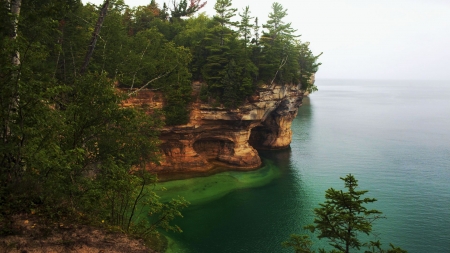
point(250, 212)
point(392, 137)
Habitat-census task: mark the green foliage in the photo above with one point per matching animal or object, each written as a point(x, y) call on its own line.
point(182, 9)
point(341, 219)
point(308, 66)
point(148, 59)
point(176, 113)
point(375, 247)
point(299, 243)
point(343, 216)
point(275, 26)
point(228, 70)
point(193, 36)
point(144, 16)
point(224, 13)
point(69, 149)
point(278, 60)
point(245, 27)
point(232, 64)
point(128, 196)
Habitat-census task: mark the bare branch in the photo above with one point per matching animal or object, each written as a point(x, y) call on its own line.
point(151, 81)
point(142, 56)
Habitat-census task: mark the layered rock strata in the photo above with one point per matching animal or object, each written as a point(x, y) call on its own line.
point(218, 136)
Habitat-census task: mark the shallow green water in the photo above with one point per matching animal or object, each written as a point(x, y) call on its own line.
point(259, 207)
point(199, 190)
point(392, 136)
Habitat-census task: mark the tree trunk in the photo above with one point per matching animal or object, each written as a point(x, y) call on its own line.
point(11, 159)
point(94, 38)
point(15, 11)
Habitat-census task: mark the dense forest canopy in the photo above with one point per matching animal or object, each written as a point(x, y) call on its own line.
point(230, 57)
point(68, 146)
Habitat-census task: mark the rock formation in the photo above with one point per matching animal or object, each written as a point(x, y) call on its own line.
point(230, 138)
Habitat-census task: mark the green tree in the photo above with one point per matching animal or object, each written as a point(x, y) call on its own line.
point(147, 60)
point(69, 149)
point(300, 243)
point(224, 14)
point(308, 66)
point(276, 26)
point(256, 27)
point(144, 15)
point(193, 36)
point(343, 216)
point(182, 9)
point(278, 59)
point(341, 219)
point(245, 27)
point(219, 38)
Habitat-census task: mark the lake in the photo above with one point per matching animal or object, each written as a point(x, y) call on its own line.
point(394, 136)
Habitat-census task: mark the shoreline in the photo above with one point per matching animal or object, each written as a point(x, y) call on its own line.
point(205, 188)
point(202, 189)
point(219, 167)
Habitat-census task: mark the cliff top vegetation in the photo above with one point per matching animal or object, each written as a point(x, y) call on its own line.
point(69, 150)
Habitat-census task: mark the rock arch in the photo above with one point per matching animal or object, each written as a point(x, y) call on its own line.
point(275, 131)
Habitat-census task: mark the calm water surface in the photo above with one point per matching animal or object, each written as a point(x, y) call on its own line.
point(394, 136)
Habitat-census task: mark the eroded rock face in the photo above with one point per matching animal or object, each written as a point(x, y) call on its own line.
point(275, 131)
point(218, 136)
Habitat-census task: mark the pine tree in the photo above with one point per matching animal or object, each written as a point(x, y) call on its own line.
point(276, 26)
point(245, 27)
point(183, 9)
point(308, 66)
point(278, 62)
point(223, 16)
point(256, 32)
point(341, 219)
point(219, 38)
point(343, 216)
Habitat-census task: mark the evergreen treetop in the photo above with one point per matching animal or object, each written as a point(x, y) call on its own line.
point(341, 220)
point(276, 26)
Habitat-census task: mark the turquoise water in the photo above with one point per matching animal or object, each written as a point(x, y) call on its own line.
point(394, 136)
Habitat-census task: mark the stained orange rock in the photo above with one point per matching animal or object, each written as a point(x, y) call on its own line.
point(216, 135)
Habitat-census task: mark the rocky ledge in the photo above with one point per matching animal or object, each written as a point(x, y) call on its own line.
point(229, 138)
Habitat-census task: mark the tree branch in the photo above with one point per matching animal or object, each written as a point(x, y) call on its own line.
point(151, 81)
point(95, 34)
point(142, 56)
point(283, 62)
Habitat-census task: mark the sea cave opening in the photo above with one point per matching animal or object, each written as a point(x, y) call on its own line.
point(263, 135)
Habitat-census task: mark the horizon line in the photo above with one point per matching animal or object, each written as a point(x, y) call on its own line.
point(379, 79)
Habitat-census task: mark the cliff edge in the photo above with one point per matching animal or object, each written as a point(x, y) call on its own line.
point(229, 138)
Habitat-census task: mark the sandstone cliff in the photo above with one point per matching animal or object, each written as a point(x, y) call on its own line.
point(218, 136)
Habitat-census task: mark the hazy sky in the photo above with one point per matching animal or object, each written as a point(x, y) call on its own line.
point(378, 39)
